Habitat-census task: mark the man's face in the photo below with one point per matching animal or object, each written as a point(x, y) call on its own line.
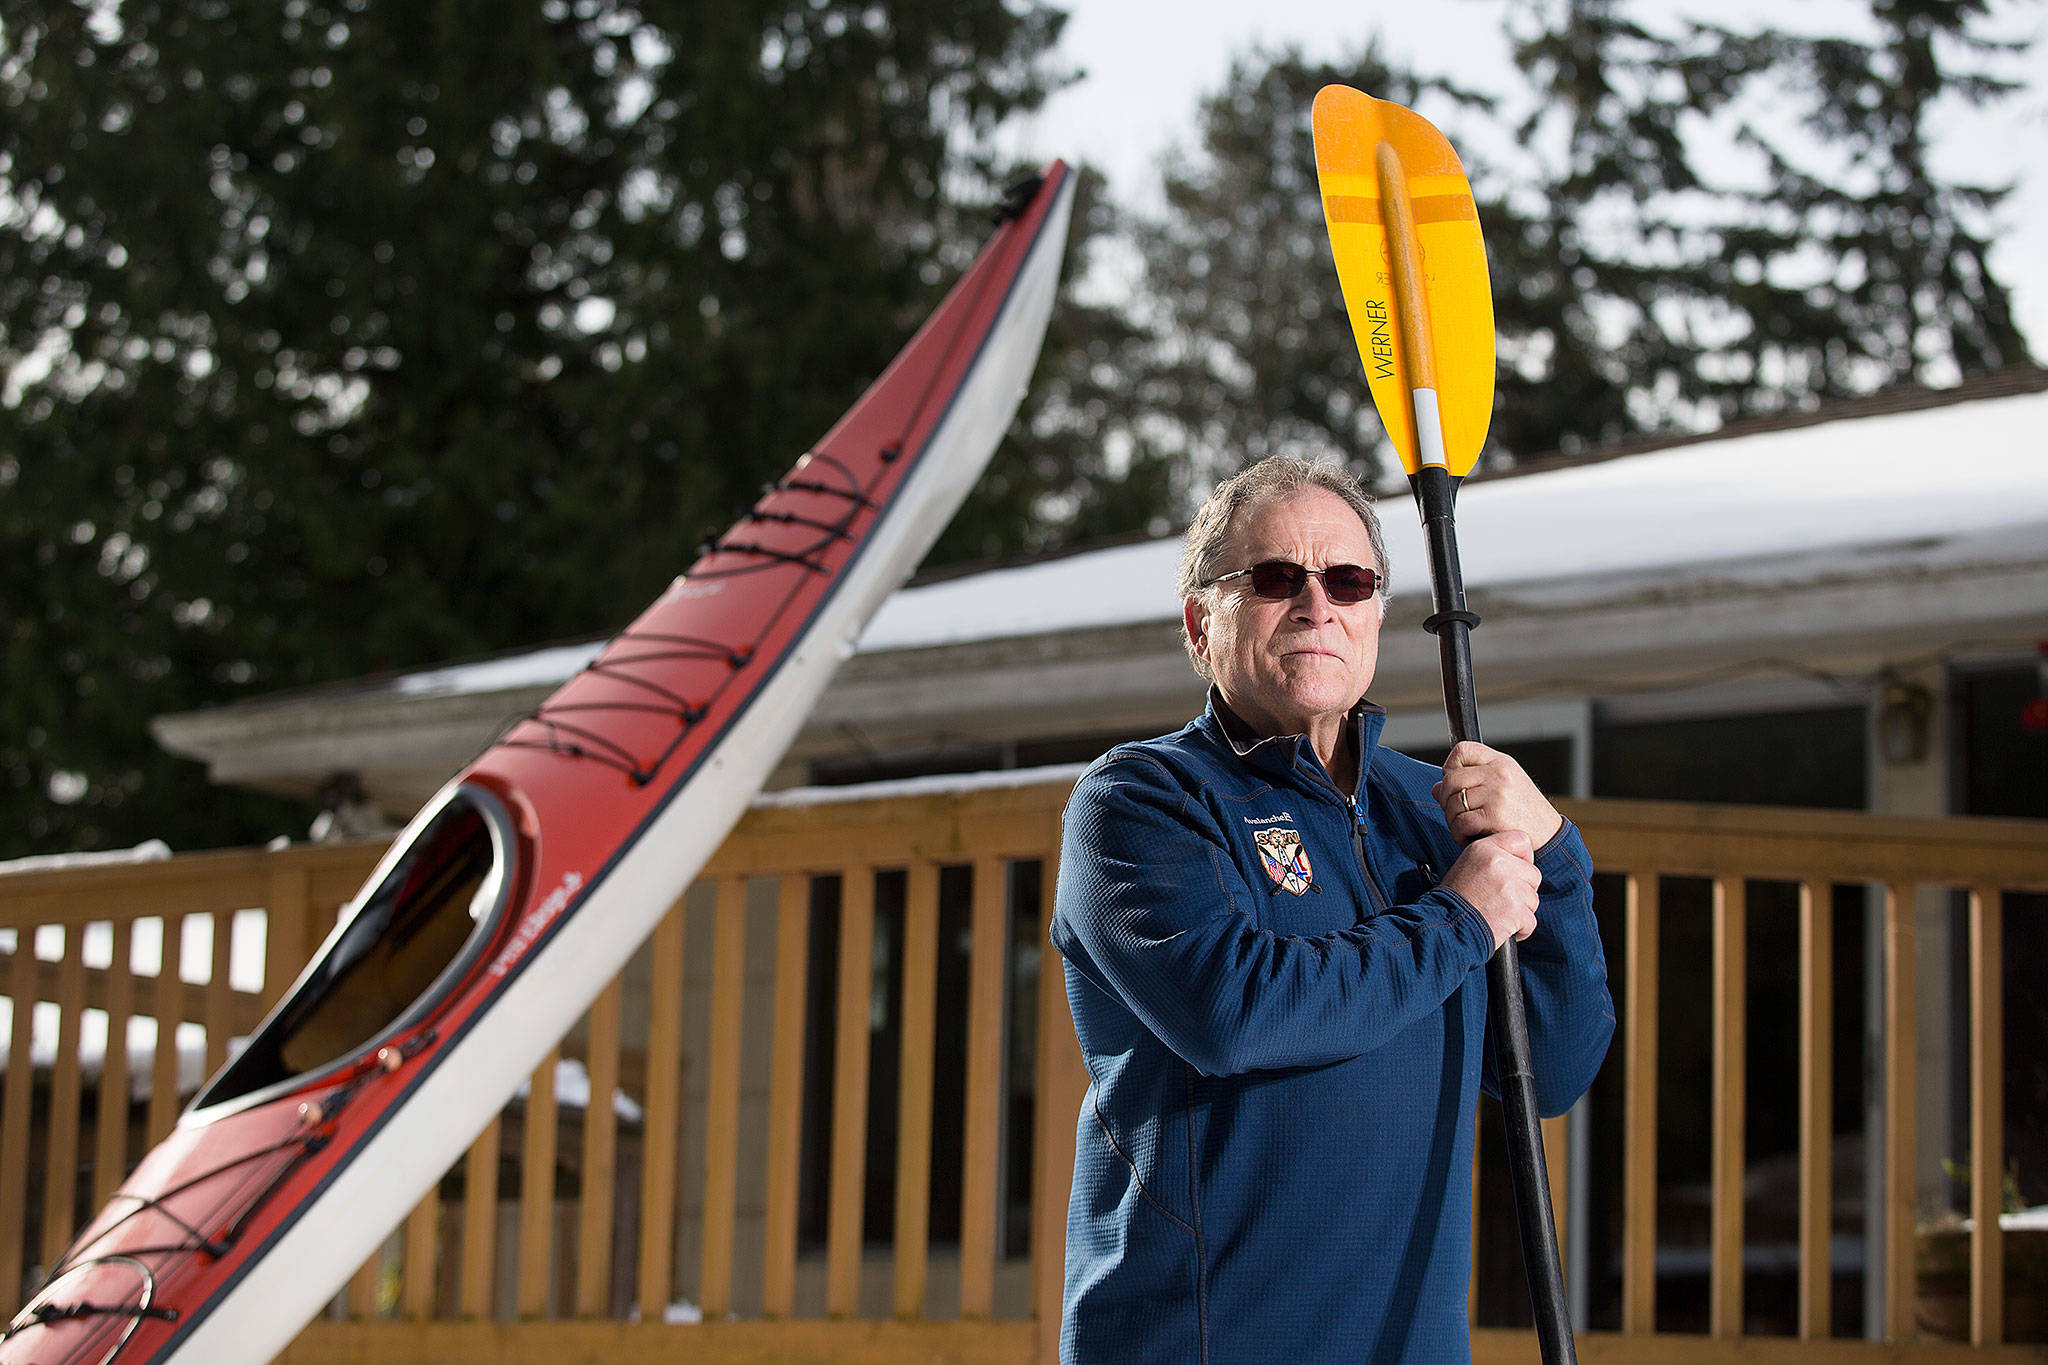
point(1293, 667)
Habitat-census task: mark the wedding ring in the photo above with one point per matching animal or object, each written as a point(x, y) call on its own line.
point(1465, 801)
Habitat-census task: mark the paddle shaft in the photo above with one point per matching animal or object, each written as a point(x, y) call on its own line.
point(1436, 496)
point(1508, 1019)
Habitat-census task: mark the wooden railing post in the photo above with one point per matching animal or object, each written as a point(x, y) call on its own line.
point(60, 1178)
point(722, 1093)
point(785, 1094)
point(1901, 1110)
point(361, 1296)
point(110, 1151)
point(220, 991)
point(15, 1116)
point(1557, 1165)
point(981, 1136)
point(416, 1291)
point(540, 1139)
point(170, 1011)
point(1062, 1083)
point(287, 929)
point(845, 1231)
point(660, 1133)
point(1816, 1107)
point(1987, 1116)
point(914, 1087)
point(1731, 984)
point(600, 1148)
point(479, 1225)
point(1639, 1141)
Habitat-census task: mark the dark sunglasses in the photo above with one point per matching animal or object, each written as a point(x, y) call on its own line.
point(1281, 580)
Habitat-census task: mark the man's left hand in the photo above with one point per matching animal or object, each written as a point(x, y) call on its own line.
point(1485, 792)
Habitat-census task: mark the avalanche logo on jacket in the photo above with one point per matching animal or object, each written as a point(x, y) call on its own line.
point(1285, 860)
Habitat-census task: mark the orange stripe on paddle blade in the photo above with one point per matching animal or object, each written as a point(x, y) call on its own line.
point(1430, 208)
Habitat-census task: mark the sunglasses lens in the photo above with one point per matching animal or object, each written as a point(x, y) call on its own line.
point(1347, 583)
point(1279, 580)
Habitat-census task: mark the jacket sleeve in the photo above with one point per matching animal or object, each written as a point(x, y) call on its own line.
point(1152, 910)
point(1564, 980)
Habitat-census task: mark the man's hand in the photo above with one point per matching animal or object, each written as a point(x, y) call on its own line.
point(1486, 792)
point(1497, 874)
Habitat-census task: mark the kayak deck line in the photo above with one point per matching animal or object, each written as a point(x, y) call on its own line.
point(144, 1309)
point(318, 1118)
point(573, 740)
point(576, 741)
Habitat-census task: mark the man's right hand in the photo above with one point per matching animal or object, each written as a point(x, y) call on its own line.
point(1498, 875)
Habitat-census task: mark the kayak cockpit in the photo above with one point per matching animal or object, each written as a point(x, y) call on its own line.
point(418, 927)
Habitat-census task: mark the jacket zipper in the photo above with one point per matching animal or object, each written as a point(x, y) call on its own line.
point(1379, 897)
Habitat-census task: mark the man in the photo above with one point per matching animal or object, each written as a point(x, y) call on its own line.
point(1275, 936)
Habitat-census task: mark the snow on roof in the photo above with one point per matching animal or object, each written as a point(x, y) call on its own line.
point(1877, 479)
point(1932, 473)
point(535, 669)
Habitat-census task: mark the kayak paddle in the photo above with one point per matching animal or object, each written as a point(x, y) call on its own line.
point(1412, 264)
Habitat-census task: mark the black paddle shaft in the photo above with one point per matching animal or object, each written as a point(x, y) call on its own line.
point(1436, 496)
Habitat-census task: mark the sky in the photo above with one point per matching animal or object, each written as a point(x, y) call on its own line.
point(1144, 73)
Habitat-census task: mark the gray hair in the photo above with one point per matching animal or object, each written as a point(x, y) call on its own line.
point(1211, 535)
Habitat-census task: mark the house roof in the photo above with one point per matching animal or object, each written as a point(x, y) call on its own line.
point(1891, 526)
point(1871, 479)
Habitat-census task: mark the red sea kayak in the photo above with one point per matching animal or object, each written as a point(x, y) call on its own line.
point(519, 891)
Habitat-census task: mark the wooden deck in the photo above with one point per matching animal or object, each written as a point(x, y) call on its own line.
point(854, 1010)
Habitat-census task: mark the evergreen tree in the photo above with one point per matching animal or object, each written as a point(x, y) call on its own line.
point(1913, 275)
point(336, 337)
point(1668, 295)
point(1639, 285)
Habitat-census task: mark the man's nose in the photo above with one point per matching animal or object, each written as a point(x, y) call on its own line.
point(1313, 602)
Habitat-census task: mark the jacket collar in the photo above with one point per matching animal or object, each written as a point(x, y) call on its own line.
point(1290, 756)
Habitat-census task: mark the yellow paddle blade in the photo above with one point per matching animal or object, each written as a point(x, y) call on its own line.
point(1412, 265)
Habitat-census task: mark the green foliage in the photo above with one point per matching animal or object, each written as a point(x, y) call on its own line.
point(347, 335)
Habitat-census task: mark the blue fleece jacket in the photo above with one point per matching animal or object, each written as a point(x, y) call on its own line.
point(1284, 1020)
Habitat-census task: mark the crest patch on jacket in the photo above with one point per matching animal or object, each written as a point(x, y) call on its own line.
point(1284, 859)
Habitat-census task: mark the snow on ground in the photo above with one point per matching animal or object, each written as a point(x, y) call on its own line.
point(92, 1050)
point(572, 1091)
point(572, 1080)
point(148, 851)
point(946, 784)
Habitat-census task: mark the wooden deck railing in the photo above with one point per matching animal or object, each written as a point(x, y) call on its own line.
point(1816, 851)
point(777, 1172)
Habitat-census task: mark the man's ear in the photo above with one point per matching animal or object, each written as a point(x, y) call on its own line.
point(1194, 614)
